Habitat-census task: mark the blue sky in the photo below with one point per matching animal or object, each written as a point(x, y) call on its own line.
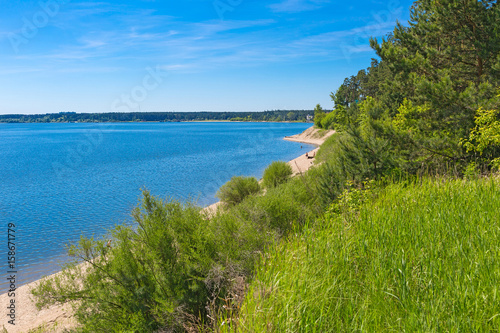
point(187, 55)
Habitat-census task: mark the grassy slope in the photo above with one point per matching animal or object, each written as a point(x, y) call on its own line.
point(419, 257)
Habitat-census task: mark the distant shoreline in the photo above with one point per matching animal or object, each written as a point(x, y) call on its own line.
point(163, 122)
point(111, 117)
point(158, 122)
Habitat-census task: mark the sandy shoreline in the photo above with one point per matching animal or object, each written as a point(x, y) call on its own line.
point(27, 317)
point(57, 318)
point(300, 164)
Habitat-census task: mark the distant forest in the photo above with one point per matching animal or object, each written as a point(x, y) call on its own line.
point(66, 117)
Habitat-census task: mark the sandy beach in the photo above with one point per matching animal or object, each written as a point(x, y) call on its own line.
point(311, 136)
point(27, 317)
point(58, 318)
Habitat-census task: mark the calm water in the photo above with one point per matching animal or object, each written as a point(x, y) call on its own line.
point(61, 181)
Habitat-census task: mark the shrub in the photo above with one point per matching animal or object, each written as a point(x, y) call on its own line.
point(277, 173)
point(485, 137)
point(281, 210)
point(328, 120)
point(237, 189)
point(328, 183)
point(319, 114)
point(174, 264)
point(149, 278)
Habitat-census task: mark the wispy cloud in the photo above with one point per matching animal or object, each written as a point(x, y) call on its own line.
point(354, 34)
point(145, 36)
point(295, 6)
point(179, 45)
point(19, 70)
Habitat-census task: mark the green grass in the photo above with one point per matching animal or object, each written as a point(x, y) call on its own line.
point(328, 149)
point(421, 257)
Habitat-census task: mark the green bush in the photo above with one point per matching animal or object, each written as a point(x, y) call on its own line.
point(277, 173)
point(485, 137)
point(328, 120)
point(281, 210)
point(328, 183)
point(319, 114)
point(147, 278)
point(237, 189)
point(173, 265)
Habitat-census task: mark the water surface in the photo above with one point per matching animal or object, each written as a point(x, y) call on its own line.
point(61, 181)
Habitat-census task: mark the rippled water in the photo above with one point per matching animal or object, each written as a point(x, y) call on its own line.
point(61, 181)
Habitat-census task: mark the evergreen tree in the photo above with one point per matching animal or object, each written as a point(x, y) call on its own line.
point(420, 100)
point(319, 114)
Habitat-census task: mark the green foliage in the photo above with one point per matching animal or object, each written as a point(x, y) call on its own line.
point(419, 257)
point(327, 151)
point(407, 117)
point(237, 189)
point(282, 209)
point(358, 153)
point(443, 69)
point(291, 116)
point(471, 171)
point(328, 120)
point(277, 173)
point(327, 184)
point(485, 137)
point(351, 198)
point(410, 111)
point(141, 282)
point(355, 90)
point(351, 91)
point(173, 265)
point(319, 114)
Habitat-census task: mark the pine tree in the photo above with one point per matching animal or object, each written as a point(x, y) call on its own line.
point(412, 109)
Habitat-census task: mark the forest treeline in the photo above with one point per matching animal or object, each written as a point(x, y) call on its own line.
point(418, 105)
point(71, 117)
point(395, 229)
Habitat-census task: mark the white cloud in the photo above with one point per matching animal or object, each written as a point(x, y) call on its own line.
point(295, 6)
point(188, 47)
point(19, 70)
point(351, 36)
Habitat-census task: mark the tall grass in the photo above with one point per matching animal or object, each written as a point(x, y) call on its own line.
point(421, 257)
